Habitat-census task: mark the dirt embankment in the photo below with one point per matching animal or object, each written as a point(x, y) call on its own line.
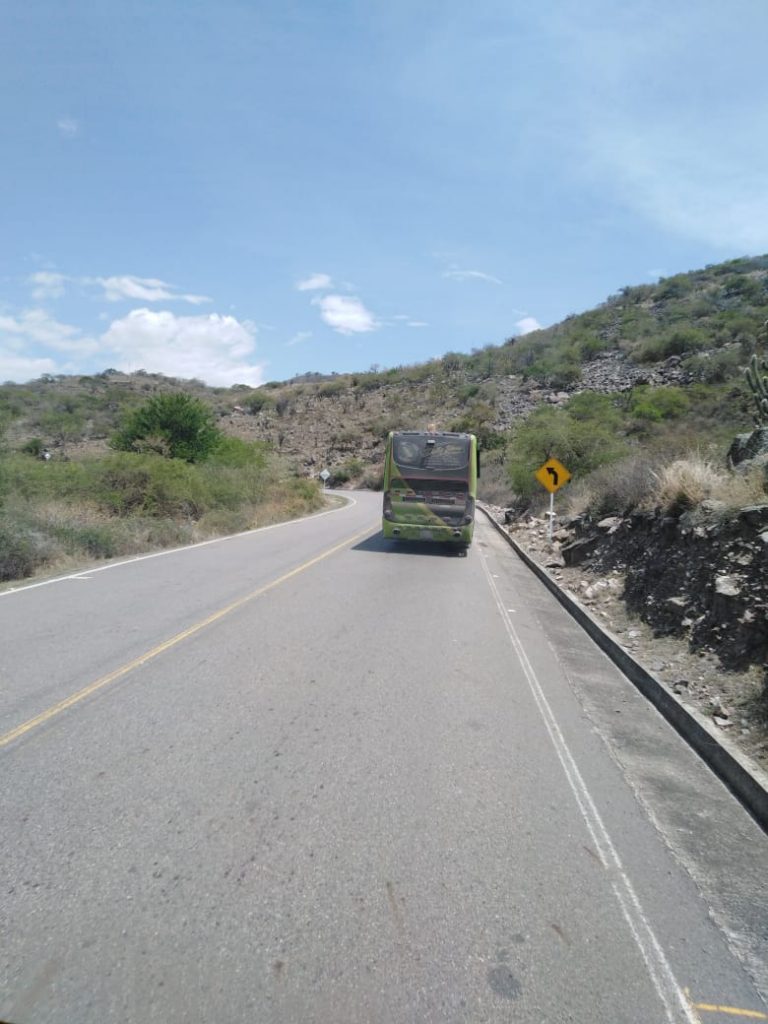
point(687, 595)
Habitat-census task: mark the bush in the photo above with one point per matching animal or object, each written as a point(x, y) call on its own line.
point(177, 426)
point(235, 453)
point(259, 401)
point(717, 367)
point(148, 485)
point(674, 343)
point(332, 388)
point(615, 490)
point(582, 445)
point(22, 550)
point(655, 404)
point(94, 540)
point(34, 446)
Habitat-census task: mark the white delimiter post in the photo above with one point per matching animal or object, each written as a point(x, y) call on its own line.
point(551, 514)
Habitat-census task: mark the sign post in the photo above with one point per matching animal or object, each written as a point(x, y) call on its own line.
point(552, 475)
point(325, 476)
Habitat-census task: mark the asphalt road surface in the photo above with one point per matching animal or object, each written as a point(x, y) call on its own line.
point(306, 775)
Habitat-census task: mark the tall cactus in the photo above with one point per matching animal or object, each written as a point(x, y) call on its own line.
point(758, 384)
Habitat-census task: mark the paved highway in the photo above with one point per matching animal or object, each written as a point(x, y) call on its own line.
point(304, 775)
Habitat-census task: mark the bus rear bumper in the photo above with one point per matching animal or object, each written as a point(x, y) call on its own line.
point(461, 535)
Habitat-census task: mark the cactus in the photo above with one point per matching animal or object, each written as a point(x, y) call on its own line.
point(759, 386)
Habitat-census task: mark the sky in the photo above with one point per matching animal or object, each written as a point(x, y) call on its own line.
point(244, 190)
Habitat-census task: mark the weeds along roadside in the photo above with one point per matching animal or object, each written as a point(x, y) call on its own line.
point(57, 514)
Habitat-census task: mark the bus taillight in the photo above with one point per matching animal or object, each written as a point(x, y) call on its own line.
point(387, 513)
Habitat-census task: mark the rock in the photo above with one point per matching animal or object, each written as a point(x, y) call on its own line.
point(610, 523)
point(746, 446)
point(633, 634)
point(727, 586)
point(724, 723)
point(755, 515)
point(579, 550)
point(554, 561)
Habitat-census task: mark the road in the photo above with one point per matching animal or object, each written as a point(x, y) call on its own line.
point(305, 775)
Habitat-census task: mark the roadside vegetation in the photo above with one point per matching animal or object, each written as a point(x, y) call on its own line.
point(624, 395)
point(174, 479)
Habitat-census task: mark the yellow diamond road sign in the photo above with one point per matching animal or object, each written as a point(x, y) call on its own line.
point(552, 475)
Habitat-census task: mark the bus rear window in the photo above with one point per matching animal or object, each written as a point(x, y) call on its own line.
point(445, 453)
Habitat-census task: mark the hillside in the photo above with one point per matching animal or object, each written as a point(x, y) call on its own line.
point(670, 356)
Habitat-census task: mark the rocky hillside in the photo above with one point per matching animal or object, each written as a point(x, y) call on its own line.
point(692, 332)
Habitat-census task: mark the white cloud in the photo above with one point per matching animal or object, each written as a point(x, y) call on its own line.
point(37, 327)
point(24, 368)
point(47, 285)
point(213, 348)
point(468, 275)
point(346, 314)
point(68, 127)
point(527, 325)
point(145, 289)
point(315, 282)
point(298, 337)
point(408, 321)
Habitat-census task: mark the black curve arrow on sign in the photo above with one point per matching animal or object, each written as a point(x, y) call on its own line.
point(553, 474)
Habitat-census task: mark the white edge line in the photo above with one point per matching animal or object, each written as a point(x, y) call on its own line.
point(84, 573)
point(660, 972)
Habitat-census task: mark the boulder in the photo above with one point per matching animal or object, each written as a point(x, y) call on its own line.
point(579, 550)
point(747, 446)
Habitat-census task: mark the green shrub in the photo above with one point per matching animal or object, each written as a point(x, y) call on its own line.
point(717, 367)
point(331, 388)
point(178, 426)
point(673, 343)
point(467, 392)
point(235, 453)
point(34, 446)
point(259, 401)
point(581, 445)
point(655, 404)
point(96, 541)
point(149, 485)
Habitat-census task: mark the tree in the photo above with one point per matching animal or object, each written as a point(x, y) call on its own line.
point(177, 426)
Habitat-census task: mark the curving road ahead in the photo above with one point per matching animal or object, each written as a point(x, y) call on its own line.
point(303, 775)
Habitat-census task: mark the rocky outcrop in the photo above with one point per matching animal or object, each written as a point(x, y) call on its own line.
point(748, 447)
point(703, 575)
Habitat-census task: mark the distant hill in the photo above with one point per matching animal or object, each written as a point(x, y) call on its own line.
point(689, 335)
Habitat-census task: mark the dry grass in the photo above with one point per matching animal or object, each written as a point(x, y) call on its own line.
point(687, 482)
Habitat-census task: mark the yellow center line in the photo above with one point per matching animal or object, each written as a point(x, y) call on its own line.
point(86, 691)
point(732, 1011)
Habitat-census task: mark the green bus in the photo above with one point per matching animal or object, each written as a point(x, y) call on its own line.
point(430, 486)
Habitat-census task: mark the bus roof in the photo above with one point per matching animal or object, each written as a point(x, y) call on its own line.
point(428, 433)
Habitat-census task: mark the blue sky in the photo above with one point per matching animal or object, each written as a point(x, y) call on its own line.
point(245, 190)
